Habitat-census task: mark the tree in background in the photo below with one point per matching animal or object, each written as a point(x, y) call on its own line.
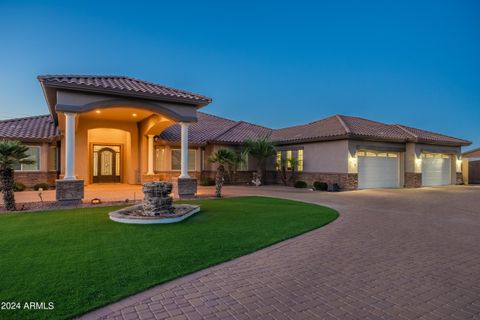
point(261, 150)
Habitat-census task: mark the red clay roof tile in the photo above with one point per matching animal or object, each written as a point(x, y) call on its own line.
point(121, 84)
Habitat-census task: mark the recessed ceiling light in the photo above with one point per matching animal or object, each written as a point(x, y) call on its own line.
point(134, 114)
point(98, 111)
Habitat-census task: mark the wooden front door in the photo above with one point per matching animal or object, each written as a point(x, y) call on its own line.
point(106, 164)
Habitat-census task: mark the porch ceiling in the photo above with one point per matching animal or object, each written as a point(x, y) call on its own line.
point(119, 114)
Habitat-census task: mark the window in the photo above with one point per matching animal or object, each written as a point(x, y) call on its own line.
point(176, 159)
point(52, 158)
point(300, 160)
point(361, 153)
point(279, 158)
point(289, 157)
point(34, 154)
point(160, 159)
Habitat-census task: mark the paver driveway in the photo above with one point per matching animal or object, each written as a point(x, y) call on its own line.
point(392, 254)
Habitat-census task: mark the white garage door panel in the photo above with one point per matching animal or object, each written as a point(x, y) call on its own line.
point(377, 172)
point(435, 171)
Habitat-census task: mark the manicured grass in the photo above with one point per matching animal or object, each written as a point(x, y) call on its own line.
point(80, 260)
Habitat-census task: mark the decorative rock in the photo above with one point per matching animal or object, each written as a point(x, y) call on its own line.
point(157, 200)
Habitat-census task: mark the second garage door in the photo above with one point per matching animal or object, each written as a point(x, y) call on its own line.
point(435, 169)
point(377, 170)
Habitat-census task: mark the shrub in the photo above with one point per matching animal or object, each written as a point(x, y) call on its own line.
point(321, 186)
point(207, 182)
point(335, 187)
point(300, 184)
point(18, 186)
point(42, 185)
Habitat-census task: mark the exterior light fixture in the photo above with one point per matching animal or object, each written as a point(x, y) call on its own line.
point(134, 114)
point(98, 111)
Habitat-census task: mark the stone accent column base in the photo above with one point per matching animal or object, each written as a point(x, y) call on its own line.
point(69, 191)
point(459, 177)
point(413, 180)
point(185, 188)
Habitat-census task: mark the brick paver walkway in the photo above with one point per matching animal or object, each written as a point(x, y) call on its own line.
point(392, 254)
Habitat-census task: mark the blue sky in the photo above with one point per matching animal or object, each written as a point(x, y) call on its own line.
point(272, 63)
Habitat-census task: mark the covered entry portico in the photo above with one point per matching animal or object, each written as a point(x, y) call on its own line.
point(108, 125)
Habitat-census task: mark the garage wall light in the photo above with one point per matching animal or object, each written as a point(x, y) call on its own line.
point(418, 164)
point(352, 164)
point(459, 165)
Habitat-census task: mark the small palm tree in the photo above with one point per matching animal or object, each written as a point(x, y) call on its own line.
point(285, 165)
point(223, 157)
point(11, 153)
point(237, 159)
point(261, 150)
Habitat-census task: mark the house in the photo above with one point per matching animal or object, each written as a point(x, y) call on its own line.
point(471, 166)
point(109, 129)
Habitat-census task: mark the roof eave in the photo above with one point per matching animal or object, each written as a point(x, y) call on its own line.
point(198, 103)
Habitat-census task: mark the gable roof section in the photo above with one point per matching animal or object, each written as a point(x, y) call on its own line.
point(207, 128)
point(347, 127)
point(472, 153)
point(242, 131)
point(30, 129)
point(326, 129)
point(124, 86)
point(425, 136)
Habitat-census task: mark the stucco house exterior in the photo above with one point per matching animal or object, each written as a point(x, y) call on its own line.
point(109, 129)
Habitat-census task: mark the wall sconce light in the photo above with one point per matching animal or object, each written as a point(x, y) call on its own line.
point(134, 115)
point(353, 161)
point(98, 111)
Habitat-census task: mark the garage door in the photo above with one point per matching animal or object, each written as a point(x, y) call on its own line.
point(377, 170)
point(435, 169)
point(474, 172)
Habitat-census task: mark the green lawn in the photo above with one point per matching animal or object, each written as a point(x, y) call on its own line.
point(80, 260)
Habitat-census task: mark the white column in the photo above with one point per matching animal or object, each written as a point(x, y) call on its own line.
point(69, 146)
point(150, 154)
point(184, 150)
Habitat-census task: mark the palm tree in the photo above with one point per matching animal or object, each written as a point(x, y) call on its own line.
point(261, 150)
point(11, 153)
point(237, 159)
point(222, 157)
point(285, 165)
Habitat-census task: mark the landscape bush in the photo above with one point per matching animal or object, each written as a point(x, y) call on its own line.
point(320, 186)
point(18, 186)
point(300, 184)
point(42, 185)
point(207, 182)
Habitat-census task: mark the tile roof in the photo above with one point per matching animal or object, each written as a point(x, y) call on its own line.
point(243, 131)
point(32, 129)
point(347, 127)
point(326, 129)
point(207, 128)
point(432, 137)
point(214, 129)
point(122, 85)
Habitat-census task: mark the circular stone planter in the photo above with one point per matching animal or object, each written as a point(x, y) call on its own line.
point(134, 214)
